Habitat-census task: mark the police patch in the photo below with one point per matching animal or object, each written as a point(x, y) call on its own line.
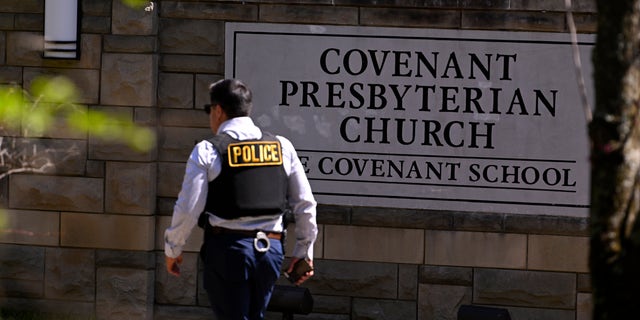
point(254, 153)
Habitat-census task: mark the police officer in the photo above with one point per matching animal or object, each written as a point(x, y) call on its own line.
point(242, 181)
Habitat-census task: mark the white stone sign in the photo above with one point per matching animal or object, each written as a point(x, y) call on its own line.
point(424, 118)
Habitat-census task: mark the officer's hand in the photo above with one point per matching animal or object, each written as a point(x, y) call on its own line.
point(305, 276)
point(173, 265)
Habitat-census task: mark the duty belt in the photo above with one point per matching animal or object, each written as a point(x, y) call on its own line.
point(261, 238)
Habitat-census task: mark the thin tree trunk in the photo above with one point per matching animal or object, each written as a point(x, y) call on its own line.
point(615, 179)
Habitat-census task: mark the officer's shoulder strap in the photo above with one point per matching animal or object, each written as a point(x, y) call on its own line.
point(268, 136)
point(221, 141)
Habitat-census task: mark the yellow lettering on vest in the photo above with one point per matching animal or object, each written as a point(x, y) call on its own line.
point(254, 153)
point(236, 152)
point(264, 152)
point(254, 158)
point(274, 153)
point(246, 153)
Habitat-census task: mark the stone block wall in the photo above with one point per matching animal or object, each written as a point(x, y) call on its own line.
point(87, 239)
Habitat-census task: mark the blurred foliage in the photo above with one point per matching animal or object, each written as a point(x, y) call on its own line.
point(49, 105)
point(50, 100)
point(136, 3)
point(40, 109)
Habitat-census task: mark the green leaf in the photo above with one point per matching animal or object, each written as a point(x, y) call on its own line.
point(38, 121)
point(12, 106)
point(136, 3)
point(54, 101)
point(55, 89)
point(142, 139)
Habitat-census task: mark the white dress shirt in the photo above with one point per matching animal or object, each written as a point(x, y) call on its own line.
point(204, 165)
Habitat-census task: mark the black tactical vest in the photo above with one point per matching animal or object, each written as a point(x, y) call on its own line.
point(252, 181)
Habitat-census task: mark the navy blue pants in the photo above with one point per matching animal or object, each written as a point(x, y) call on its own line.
point(239, 280)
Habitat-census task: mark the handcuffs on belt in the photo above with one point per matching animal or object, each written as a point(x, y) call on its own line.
point(261, 237)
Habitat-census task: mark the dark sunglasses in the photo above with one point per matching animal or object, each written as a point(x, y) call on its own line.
point(207, 108)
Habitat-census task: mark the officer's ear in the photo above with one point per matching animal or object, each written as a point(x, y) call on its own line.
point(220, 113)
point(217, 111)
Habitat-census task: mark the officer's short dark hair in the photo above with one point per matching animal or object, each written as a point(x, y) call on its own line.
point(233, 96)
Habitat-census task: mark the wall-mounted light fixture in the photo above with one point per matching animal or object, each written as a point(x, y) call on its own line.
point(61, 31)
